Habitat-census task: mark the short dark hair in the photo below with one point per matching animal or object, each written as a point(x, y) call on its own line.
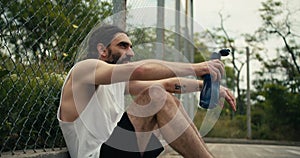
point(103, 34)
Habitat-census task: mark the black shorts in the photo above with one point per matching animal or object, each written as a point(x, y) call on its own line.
point(122, 143)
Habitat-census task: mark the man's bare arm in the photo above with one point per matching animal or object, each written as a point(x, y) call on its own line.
point(98, 72)
point(172, 85)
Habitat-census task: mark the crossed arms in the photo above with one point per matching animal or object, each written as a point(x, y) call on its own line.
point(180, 85)
point(145, 73)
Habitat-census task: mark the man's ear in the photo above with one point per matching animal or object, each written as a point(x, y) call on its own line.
point(101, 50)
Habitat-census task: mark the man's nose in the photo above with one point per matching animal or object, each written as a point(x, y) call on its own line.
point(130, 52)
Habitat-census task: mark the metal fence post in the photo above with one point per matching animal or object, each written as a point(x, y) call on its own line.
point(160, 30)
point(119, 12)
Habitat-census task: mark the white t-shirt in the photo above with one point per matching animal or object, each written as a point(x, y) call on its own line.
point(95, 124)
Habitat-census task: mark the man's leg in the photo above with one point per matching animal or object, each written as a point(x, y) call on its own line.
point(142, 115)
point(156, 106)
point(181, 108)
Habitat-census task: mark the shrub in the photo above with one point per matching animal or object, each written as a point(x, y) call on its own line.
point(28, 108)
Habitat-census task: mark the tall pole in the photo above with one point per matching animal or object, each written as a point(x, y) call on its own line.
point(192, 31)
point(249, 132)
point(119, 11)
point(186, 31)
point(188, 98)
point(160, 29)
point(177, 29)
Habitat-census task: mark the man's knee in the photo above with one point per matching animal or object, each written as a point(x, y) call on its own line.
point(148, 102)
point(153, 100)
point(163, 99)
point(160, 97)
point(157, 94)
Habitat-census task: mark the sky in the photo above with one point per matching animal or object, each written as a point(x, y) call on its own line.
point(243, 14)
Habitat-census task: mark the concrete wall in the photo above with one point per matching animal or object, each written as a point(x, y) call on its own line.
point(57, 153)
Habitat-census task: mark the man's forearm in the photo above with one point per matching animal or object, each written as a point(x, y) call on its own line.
point(172, 85)
point(183, 85)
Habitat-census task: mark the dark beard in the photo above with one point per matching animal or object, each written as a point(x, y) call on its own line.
point(114, 57)
point(114, 61)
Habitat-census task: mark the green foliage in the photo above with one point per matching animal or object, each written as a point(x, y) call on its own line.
point(36, 30)
point(230, 77)
point(201, 50)
point(278, 22)
point(145, 44)
point(28, 108)
point(3, 73)
point(271, 9)
point(143, 40)
point(225, 127)
point(278, 113)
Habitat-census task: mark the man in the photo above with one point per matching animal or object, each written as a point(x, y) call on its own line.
point(92, 112)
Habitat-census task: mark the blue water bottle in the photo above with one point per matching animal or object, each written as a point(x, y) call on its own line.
point(209, 96)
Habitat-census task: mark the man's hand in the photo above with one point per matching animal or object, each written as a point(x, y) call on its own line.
point(229, 97)
point(213, 67)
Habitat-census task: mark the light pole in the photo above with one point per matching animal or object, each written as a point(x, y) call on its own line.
point(249, 132)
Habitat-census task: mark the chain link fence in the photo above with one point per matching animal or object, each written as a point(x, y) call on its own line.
point(38, 44)
point(38, 40)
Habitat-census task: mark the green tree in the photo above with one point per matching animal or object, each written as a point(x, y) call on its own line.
point(278, 22)
point(277, 115)
point(40, 29)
